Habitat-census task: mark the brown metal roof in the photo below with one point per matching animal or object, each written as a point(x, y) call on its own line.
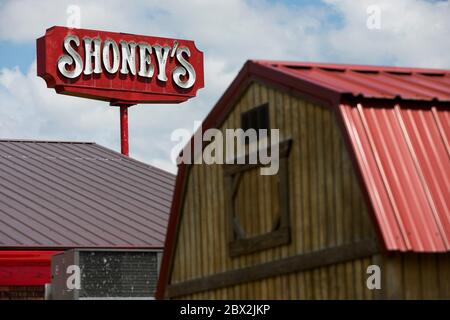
point(72, 194)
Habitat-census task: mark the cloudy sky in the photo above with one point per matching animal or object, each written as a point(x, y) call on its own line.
point(411, 33)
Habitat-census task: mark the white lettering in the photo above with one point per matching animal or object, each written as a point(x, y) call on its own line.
point(121, 57)
point(69, 58)
point(89, 54)
point(162, 54)
point(128, 57)
point(108, 46)
point(181, 71)
point(145, 51)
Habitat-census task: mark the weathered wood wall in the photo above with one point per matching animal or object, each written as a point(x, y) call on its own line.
point(416, 276)
point(326, 206)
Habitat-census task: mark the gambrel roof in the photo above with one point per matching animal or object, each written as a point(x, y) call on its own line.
point(396, 123)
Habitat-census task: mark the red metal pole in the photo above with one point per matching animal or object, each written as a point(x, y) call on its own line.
point(124, 129)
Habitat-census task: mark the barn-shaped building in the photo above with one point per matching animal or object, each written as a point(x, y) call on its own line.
point(56, 196)
point(364, 179)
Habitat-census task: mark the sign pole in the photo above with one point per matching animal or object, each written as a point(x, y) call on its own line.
point(124, 129)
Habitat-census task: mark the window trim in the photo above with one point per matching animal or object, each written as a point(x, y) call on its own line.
point(238, 243)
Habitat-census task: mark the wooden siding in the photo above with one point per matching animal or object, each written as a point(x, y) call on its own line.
point(326, 209)
point(416, 276)
point(248, 208)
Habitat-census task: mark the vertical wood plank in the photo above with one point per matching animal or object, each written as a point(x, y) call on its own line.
point(430, 282)
point(411, 270)
point(394, 279)
point(444, 275)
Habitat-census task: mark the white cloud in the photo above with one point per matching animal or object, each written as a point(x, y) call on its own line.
point(37, 112)
point(412, 33)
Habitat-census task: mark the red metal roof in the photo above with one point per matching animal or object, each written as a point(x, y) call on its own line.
point(371, 81)
point(396, 122)
point(403, 154)
point(64, 195)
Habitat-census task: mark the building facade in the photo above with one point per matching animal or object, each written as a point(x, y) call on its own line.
point(363, 181)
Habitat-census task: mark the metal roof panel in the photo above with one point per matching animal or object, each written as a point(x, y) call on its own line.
point(62, 195)
point(408, 176)
point(371, 81)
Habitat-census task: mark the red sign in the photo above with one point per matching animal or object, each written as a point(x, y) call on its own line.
point(118, 67)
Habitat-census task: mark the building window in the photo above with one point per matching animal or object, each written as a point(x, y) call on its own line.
point(256, 118)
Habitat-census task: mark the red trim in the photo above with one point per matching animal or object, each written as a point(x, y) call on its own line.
point(274, 77)
point(170, 235)
point(25, 268)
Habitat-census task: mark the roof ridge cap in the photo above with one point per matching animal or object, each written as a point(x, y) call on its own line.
point(46, 141)
point(380, 68)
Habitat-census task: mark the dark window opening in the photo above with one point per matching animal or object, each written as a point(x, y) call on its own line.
point(256, 118)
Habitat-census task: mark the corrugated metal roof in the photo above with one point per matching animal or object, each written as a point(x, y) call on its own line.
point(371, 81)
point(403, 154)
point(68, 194)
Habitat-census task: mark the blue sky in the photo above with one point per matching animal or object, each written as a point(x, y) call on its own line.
point(17, 54)
point(412, 33)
